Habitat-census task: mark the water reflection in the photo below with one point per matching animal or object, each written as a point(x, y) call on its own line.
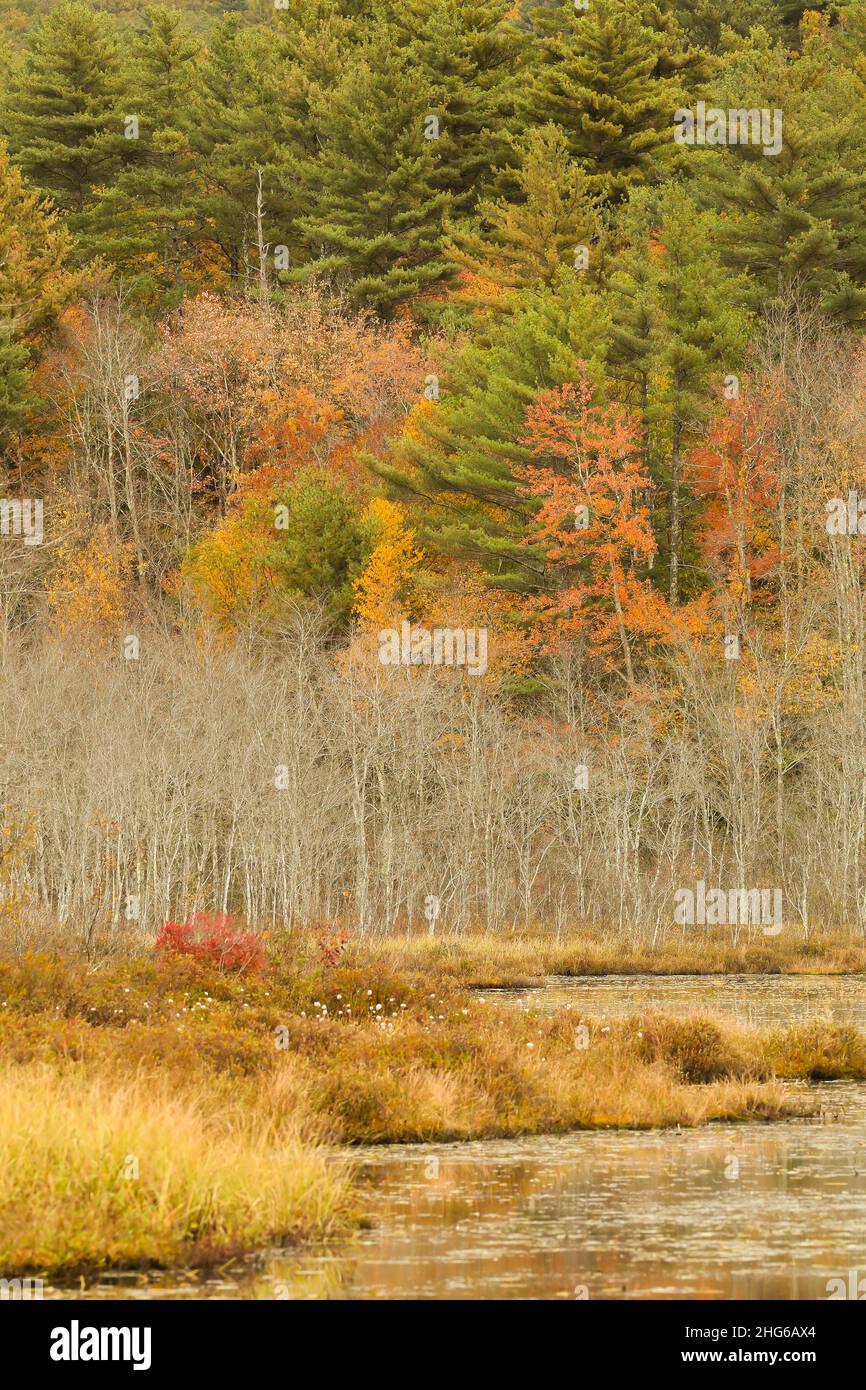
point(758, 1000)
point(736, 1211)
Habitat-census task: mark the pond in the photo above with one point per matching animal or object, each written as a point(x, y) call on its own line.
point(761, 1001)
point(751, 1210)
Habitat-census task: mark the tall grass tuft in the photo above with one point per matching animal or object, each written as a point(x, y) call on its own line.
point(97, 1173)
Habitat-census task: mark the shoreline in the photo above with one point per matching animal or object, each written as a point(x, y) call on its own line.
point(233, 1094)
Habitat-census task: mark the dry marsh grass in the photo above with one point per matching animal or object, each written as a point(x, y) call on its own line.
point(500, 961)
point(101, 1170)
point(224, 1087)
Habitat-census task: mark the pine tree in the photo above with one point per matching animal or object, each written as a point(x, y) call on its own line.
point(14, 397)
point(513, 245)
point(470, 57)
point(704, 21)
point(799, 220)
point(11, 61)
point(64, 114)
point(679, 332)
point(147, 222)
point(595, 75)
point(797, 217)
point(460, 454)
point(315, 42)
point(675, 54)
point(376, 214)
point(304, 539)
point(235, 133)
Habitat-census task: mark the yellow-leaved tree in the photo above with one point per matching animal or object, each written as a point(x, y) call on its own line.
point(384, 589)
point(88, 595)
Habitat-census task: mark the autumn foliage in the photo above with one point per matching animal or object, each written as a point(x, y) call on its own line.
point(735, 473)
point(590, 483)
point(312, 383)
point(382, 590)
point(214, 937)
point(88, 594)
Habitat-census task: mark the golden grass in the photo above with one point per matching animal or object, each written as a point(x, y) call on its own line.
point(504, 961)
point(225, 1087)
point(501, 1073)
point(97, 1171)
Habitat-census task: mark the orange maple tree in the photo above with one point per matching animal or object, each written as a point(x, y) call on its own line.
point(592, 522)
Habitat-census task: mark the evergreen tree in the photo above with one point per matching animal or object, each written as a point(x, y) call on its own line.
point(10, 68)
point(315, 44)
point(470, 57)
point(460, 454)
point(594, 75)
point(805, 227)
point(376, 213)
point(304, 539)
point(14, 397)
point(704, 21)
point(679, 332)
point(676, 54)
point(799, 220)
point(513, 245)
point(235, 134)
point(147, 223)
point(64, 113)
point(34, 284)
point(796, 217)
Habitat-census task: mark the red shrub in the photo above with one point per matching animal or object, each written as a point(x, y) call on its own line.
point(215, 937)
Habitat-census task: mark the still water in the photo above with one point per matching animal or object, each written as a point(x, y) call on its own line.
point(763, 1001)
point(729, 1211)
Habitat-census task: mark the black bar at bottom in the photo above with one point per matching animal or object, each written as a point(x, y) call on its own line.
point(66, 1338)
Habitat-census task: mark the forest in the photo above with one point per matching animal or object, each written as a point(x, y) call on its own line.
point(319, 319)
